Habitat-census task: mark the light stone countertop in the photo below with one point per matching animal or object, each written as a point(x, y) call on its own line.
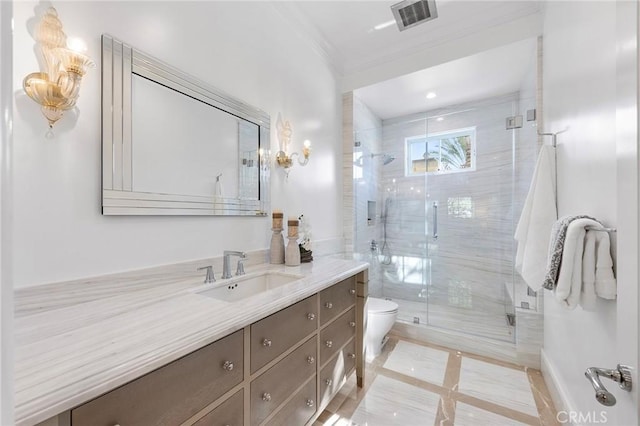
point(75, 342)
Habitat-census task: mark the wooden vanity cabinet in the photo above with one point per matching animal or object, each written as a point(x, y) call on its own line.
point(336, 299)
point(281, 370)
point(273, 387)
point(229, 413)
point(173, 393)
point(272, 336)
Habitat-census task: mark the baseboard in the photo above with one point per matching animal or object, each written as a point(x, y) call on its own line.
point(557, 390)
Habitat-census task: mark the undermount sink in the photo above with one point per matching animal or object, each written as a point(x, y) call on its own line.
point(240, 288)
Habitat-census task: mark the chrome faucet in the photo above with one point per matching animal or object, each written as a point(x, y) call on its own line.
point(210, 278)
point(226, 266)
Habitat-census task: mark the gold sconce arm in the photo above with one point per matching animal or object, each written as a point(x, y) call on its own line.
point(285, 159)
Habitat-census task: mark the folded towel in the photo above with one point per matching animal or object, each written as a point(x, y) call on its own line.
point(605, 285)
point(536, 220)
point(588, 293)
point(556, 249)
point(569, 285)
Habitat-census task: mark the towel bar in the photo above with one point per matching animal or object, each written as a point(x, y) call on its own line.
point(594, 228)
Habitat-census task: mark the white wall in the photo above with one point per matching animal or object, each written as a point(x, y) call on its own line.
point(6, 282)
point(580, 95)
point(244, 48)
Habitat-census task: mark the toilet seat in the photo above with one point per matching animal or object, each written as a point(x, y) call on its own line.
point(381, 306)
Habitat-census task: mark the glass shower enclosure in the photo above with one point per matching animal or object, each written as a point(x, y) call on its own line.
point(438, 196)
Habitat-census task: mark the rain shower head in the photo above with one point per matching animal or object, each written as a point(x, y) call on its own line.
point(386, 158)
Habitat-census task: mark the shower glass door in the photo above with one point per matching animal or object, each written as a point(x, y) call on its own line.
point(436, 223)
point(470, 204)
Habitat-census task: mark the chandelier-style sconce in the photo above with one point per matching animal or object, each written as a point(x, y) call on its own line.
point(284, 159)
point(57, 86)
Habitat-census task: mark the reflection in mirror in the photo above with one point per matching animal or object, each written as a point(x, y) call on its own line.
point(172, 145)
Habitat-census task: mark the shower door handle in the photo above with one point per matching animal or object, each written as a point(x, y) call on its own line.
point(435, 220)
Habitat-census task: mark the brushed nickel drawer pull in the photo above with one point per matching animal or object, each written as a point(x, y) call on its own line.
point(309, 402)
point(328, 305)
point(328, 382)
point(329, 343)
point(266, 343)
point(352, 291)
point(311, 359)
point(351, 356)
point(266, 397)
point(227, 365)
point(352, 323)
point(311, 316)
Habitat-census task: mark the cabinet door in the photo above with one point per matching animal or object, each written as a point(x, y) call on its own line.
point(334, 374)
point(229, 413)
point(274, 335)
point(299, 410)
point(336, 299)
point(276, 384)
point(173, 393)
point(336, 334)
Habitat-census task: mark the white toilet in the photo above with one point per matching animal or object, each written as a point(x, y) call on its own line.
point(381, 314)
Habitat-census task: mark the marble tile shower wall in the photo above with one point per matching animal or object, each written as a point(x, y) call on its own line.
point(367, 174)
point(472, 259)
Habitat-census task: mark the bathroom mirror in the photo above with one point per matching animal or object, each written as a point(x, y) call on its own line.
point(174, 145)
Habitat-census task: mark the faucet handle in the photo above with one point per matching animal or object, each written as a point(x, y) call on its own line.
point(240, 269)
point(210, 278)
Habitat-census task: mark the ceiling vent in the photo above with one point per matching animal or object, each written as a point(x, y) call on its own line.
point(409, 13)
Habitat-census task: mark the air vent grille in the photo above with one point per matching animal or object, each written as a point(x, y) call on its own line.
point(410, 13)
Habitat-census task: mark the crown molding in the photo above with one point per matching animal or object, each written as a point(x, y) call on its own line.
point(290, 12)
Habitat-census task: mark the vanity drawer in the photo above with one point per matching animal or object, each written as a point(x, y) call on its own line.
point(337, 334)
point(275, 385)
point(336, 299)
point(276, 333)
point(299, 410)
point(333, 375)
point(173, 393)
point(229, 413)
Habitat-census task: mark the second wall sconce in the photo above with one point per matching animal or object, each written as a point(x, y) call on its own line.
point(57, 87)
point(284, 158)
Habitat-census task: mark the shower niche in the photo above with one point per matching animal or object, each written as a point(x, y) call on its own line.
point(371, 213)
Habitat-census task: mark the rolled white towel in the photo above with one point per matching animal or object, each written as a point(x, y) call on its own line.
point(588, 293)
point(569, 284)
point(606, 286)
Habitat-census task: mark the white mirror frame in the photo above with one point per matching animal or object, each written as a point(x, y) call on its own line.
point(119, 63)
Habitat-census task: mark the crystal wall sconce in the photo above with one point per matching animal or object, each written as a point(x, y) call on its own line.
point(57, 86)
point(284, 158)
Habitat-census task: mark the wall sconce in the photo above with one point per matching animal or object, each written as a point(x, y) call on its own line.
point(284, 159)
point(57, 87)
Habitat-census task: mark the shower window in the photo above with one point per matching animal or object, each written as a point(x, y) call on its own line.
point(445, 152)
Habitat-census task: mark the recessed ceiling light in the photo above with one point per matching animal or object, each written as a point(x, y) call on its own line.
point(431, 95)
point(440, 119)
point(384, 25)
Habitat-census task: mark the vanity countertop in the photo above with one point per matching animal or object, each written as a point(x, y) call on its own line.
point(74, 343)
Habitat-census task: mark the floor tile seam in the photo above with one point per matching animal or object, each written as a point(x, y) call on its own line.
point(493, 361)
point(455, 396)
point(544, 404)
point(494, 408)
point(422, 343)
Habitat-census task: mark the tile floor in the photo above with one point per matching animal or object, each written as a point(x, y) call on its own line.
point(417, 384)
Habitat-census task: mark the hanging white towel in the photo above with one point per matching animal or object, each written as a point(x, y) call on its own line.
point(538, 216)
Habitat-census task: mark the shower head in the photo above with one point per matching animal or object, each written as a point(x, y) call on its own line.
point(386, 158)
